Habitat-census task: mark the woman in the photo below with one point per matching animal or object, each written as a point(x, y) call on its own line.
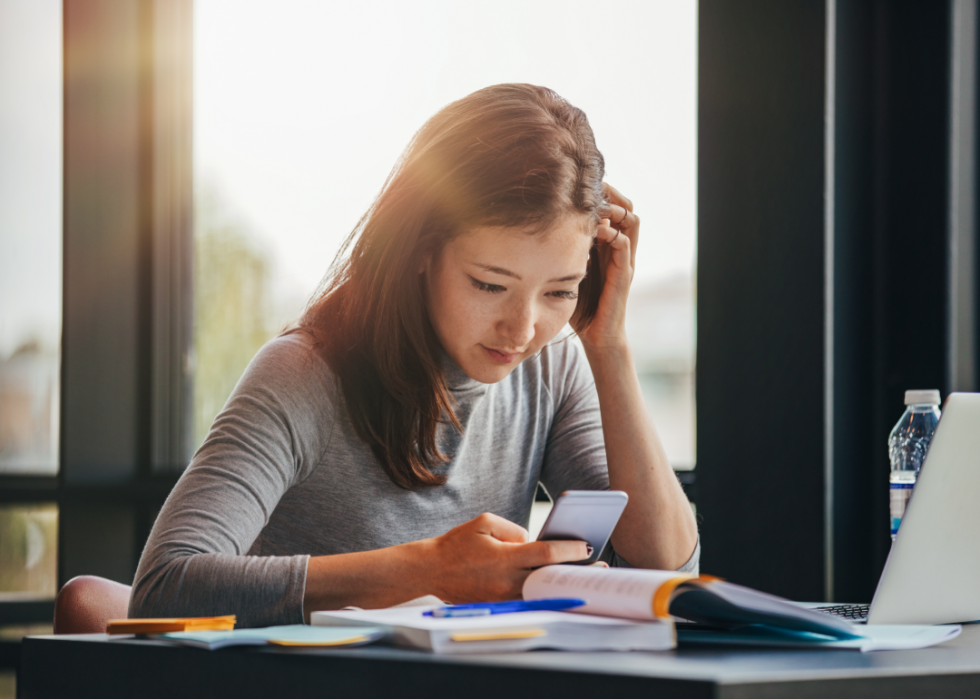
point(390, 446)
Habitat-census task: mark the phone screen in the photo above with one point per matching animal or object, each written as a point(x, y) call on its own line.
point(585, 515)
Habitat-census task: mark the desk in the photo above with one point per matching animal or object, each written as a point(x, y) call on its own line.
point(61, 666)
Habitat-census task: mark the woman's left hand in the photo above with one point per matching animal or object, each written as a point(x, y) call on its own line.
point(657, 529)
point(617, 238)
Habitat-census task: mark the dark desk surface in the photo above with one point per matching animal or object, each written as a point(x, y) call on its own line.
point(58, 666)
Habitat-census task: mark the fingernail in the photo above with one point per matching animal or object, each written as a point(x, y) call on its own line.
point(588, 549)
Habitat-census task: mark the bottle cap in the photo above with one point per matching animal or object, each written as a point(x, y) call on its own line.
point(930, 397)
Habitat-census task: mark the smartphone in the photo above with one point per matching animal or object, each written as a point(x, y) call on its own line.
point(585, 515)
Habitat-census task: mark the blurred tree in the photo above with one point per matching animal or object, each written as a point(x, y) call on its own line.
point(231, 305)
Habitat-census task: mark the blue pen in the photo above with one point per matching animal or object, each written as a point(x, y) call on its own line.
point(486, 608)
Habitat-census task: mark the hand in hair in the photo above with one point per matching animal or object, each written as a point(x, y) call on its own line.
point(616, 240)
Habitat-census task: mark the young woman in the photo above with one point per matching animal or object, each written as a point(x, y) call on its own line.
point(390, 445)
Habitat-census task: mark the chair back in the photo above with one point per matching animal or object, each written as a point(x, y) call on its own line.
point(86, 603)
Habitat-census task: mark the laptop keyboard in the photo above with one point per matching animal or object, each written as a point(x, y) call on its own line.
point(851, 612)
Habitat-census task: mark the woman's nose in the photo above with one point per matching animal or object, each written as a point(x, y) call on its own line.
point(518, 327)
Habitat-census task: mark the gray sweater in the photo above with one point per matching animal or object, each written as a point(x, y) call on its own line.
point(283, 476)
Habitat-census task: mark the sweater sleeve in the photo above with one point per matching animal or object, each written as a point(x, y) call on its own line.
point(575, 457)
point(269, 436)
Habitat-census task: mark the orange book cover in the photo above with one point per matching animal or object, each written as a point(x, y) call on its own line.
point(144, 626)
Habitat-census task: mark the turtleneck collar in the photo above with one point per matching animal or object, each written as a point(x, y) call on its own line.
point(457, 380)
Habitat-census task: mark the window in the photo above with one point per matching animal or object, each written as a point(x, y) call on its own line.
point(30, 312)
point(30, 287)
point(292, 143)
point(77, 488)
point(30, 235)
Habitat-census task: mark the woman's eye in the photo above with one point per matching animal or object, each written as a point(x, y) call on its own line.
point(489, 288)
point(565, 295)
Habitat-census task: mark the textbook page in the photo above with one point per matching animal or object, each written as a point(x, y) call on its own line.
point(621, 592)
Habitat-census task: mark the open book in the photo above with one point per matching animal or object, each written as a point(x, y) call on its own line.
point(408, 626)
point(723, 612)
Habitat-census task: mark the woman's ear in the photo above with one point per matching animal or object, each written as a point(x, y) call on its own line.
point(428, 260)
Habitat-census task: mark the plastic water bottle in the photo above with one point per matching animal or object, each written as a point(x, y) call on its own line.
point(907, 446)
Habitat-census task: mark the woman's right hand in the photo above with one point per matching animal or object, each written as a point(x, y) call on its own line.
point(483, 560)
point(488, 558)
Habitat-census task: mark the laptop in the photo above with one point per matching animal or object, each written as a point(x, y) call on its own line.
point(932, 572)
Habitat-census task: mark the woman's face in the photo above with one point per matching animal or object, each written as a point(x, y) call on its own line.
point(497, 295)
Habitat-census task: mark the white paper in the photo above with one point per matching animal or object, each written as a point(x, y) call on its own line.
point(897, 637)
point(878, 637)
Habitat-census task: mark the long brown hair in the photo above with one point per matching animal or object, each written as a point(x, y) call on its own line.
point(507, 155)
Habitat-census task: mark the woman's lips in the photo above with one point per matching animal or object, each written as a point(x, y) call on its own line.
point(501, 357)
